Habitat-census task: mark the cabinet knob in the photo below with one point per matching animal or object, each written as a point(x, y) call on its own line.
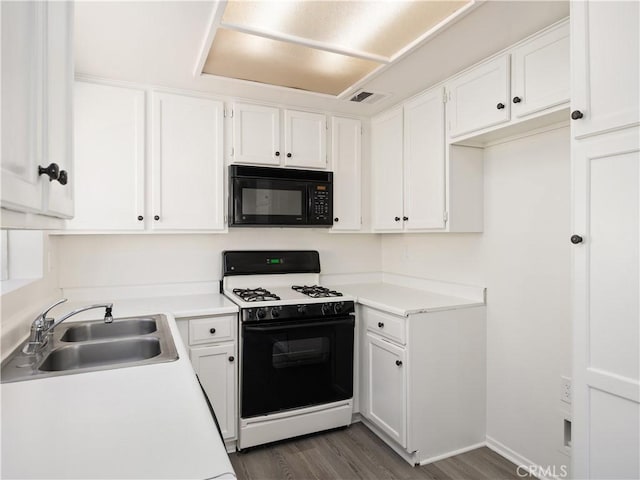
point(380, 325)
point(576, 239)
point(288, 155)
point(277, 154)
point(63, 178)
point(517, 99)
point(231, 358)
point(212, 331)
point(500, 106)
point(576, 115)
point(397, 219)
point(140, 218)
point(399, 363)
point(336, 219)
point(405, 218)
point(52, 171)
point(156, 217)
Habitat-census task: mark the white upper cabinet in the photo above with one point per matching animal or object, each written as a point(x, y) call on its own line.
point(187, 163)
point(109, 137)
point(541, 76)
point(424, 162)
point(386, 164)
point(305, 139)
point(479, 98)
point(605, 78)
point(264, 135)
point(37, 77)
point(256, 134)
point(346, 165)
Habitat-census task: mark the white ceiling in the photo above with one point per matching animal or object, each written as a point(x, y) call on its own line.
point(159, 43)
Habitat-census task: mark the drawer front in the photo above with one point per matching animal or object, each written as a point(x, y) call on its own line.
point(386, 325)
point(211, 329)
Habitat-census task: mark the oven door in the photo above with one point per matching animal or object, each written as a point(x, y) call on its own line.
point(296, 364)
point(258, 201)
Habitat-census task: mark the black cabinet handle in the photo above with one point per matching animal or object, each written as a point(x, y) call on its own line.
point(397, 219)
point(63, 178)
point(405, 218)
point(380, 325)
point(277, 154)
point(500, 106)
point(399, 363)
point(288, 155)
point(576, 115)
point(231, 359)
point(576, 239)
point(52, 171)
point(336, 219)
point(212, 331)
point(140, 218)
point(517, 99)
point(156, 217)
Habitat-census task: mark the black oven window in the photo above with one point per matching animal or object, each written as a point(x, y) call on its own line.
point(295, 353)
point(267, 201)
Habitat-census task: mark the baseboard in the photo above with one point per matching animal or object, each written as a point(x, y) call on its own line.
point(452, 453)
point(520, 460)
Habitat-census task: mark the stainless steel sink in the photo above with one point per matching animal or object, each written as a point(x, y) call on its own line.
point(90, 346)
point(100, 331)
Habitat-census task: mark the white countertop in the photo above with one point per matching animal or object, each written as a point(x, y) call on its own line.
point(401, 300)
point(148, 421)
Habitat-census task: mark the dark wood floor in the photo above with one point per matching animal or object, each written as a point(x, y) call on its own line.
point(356, 453)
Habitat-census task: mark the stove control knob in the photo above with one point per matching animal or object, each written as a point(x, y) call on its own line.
point(302, 309)
point(326, 309)
point(261, 313)
point(275, 312)
point(338, 307)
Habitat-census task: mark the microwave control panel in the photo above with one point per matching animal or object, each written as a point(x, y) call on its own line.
point(321, 210)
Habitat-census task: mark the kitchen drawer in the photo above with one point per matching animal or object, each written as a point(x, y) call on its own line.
point(389, 326)
point(211, 329)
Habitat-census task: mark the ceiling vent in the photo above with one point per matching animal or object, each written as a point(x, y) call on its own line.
point(362, 96)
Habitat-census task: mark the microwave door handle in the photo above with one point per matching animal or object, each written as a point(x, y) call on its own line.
point(292, 325)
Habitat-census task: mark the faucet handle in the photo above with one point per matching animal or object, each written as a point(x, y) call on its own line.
point(43, 315)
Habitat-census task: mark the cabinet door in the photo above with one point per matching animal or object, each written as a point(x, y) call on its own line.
point(346, 159)
point(216, 369)
point(605, 78)
point(109, 133)
point(22, 104)
point(424, 161)
point(386, 158)
point(188, 170)
point(59, 106)
point(541, 74)
point(606, 324)
point(479, 98)
point(387, 383)
point(256, 134)
point(305, 139)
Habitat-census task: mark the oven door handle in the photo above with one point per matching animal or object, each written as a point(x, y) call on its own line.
point(292, 325)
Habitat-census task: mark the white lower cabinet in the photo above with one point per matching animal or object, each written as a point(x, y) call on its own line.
point(423, 380)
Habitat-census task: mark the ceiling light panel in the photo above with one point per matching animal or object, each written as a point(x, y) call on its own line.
point(249, 57)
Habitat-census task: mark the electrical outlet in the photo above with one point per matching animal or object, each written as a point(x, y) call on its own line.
point(565, 389)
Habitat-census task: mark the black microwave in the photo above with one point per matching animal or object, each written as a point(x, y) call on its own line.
point(279, 197)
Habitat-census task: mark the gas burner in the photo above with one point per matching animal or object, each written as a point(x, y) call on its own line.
point(316, 291)
point(255, 294)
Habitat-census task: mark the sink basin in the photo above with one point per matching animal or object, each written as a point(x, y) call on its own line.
point(100, 331)
point(89, 355)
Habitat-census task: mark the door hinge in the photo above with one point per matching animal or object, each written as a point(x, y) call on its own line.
point(233, 150)
point(326, 125)
point(228, 113)
point(361, 130)
point(445, 216)
point(444, 96)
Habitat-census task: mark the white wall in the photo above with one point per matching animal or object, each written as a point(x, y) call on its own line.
point(121, 260)
point(523, 258)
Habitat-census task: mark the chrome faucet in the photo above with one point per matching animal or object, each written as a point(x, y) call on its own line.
point(42, 326)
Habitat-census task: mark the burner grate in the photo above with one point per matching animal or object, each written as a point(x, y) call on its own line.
point(316, 291)
point(255, 294)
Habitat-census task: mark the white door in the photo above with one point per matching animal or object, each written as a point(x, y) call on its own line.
point(541, 76)
point(59, 107)
point(386, 165)
point(387, 382)
point(256, 134)
point(187, 166)
point(215, 367)
point(606, 328)
point(22, 104)
point(109, 151)
point(346, 164)
point(479, 98)
point(424, 162)
point(605, 78)
point(305, 139)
